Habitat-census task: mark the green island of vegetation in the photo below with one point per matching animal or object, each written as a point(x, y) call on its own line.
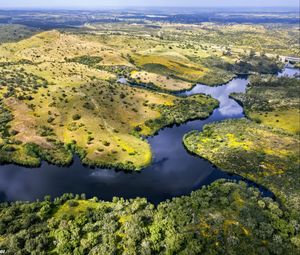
point(222, 218)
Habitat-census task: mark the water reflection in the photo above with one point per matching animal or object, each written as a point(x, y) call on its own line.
point(289, 71)
point(228, 107)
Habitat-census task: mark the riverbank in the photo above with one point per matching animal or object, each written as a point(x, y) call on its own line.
point(222, 217)
point(266, 155)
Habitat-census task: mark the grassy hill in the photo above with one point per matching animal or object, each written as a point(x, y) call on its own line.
point(62, 102)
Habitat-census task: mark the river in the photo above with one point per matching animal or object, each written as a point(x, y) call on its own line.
point(174, 171)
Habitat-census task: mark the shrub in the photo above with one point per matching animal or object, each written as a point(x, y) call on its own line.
point(76, 116)
point(73, 203)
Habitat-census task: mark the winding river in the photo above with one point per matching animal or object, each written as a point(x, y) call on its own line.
point(174, 171)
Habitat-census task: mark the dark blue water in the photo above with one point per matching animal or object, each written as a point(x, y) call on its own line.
point(173, 172)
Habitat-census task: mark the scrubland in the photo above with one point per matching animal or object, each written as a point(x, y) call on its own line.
point(63, 102)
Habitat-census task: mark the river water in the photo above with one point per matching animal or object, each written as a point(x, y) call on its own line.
point(174, 171)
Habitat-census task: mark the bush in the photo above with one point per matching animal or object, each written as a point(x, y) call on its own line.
point(76, 116)
point(73, 203)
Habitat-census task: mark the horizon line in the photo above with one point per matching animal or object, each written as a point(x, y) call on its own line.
point(139, 7)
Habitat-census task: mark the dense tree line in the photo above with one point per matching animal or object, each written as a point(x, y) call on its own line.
point(184, 109)
point(247, 64)
point(223, 218)
point(90, 61)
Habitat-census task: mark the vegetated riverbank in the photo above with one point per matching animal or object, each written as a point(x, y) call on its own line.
point(156, 182)
point(267, 151)
point(224, 217)
point(259, 153)
point(228, 109)
point(110, 145)
point(273, 101)
point(174, 171)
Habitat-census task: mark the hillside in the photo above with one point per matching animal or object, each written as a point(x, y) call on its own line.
point(60, 103)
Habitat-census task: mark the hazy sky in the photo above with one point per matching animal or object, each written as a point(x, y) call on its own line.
point(141, 3)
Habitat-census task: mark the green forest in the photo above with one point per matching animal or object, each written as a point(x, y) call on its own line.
point(222, 218)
